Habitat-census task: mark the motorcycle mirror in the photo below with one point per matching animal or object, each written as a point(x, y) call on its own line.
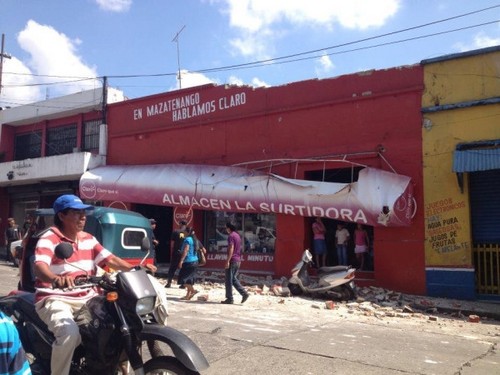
point(64, 250)
point(145, 244)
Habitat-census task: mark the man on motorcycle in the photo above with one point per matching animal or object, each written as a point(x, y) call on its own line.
point(56, 298)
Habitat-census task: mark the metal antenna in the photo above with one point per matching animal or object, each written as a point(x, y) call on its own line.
point(176, 40)
point(2, 55)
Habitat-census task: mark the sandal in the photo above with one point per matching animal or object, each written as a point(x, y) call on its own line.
point(185, 298)
point(192, 294)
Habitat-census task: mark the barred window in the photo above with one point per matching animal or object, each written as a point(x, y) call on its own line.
point(28, 146)
point(91, 136)
point(61, 140)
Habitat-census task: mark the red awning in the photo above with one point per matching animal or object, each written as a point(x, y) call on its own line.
point(378, 198)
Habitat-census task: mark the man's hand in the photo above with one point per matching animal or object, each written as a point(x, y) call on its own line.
point(63, 282)
point(151, 267)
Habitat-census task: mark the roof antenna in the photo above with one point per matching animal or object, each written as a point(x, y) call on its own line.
point(176, 40)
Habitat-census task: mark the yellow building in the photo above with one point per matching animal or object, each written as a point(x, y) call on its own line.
point(461, 169)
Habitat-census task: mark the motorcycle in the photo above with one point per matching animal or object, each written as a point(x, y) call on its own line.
point(336, 282)
point(114, 327)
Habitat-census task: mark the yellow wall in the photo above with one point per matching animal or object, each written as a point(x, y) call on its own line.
point(447, 210)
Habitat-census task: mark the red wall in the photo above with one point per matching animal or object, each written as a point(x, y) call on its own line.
point(310, 119)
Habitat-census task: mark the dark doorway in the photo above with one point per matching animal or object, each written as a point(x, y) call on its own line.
point(341, 175)
point(163, 216)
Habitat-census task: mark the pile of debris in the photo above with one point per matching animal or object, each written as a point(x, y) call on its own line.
point(371, 301)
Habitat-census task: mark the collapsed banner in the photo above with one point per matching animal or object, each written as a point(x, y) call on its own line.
point(378, 198)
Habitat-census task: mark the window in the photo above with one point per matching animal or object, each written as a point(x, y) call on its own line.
point(91, 136)
point(258, 231)
point(28, 146)
point(132, 238)
point(61, 140)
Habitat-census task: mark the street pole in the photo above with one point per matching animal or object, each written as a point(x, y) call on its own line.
point(2, 55)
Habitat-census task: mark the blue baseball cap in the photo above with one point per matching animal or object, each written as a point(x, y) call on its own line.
point(70, 201)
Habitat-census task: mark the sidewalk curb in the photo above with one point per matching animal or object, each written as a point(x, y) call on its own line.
point(491, 313)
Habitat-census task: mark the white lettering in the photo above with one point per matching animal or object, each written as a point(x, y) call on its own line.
point(344, 214)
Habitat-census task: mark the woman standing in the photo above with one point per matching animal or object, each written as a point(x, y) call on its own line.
point(188, 264)
point(319, 242)
point(361, 242)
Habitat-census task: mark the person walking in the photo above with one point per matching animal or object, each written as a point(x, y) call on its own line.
point(188, 264)
point(232, 266)
point(176, 240)
point(152, 222)
point(342, 238)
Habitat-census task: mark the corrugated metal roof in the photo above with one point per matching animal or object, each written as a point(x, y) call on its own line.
point(476, 160)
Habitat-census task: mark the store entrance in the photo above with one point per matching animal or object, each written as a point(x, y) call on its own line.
point(343, 175)
point(331, 245)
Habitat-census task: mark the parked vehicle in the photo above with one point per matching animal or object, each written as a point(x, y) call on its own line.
point(118, 230)
point(333, 282)
point(115, 327)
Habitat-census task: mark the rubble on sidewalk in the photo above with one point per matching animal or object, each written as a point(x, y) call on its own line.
point(371, 301)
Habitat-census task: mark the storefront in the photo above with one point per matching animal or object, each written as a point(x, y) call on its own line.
point(461, 139)
point(46, 146)
point(270, 159)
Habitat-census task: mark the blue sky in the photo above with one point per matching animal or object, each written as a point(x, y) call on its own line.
point(58, 47)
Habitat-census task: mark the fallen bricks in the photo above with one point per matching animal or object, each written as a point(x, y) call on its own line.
point(376, 301)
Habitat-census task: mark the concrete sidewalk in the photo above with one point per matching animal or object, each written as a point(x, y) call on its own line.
point(429, 305)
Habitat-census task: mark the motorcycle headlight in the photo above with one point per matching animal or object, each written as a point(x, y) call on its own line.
point(145, 305)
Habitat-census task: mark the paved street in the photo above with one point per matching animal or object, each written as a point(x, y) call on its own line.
point(291, 335)
point(274, 335)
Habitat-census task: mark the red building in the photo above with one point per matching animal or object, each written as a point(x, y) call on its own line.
point(319, 130)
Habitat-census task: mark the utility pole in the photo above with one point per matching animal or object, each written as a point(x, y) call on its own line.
point(2, 55)
point(176, 40)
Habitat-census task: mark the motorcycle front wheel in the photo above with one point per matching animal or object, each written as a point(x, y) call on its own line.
point(166, 365)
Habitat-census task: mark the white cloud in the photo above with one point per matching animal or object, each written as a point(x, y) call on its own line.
point(256, 82)
point(192, 79)
point(324, 65)
point(114, 5)
point(16, 89)
point(260, 21)
point(481, 40)
point(53, 60)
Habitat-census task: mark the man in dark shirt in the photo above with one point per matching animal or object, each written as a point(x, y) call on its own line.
point(12, 234)
point(176, 241)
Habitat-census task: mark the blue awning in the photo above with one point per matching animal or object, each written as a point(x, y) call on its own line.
point(474, 160)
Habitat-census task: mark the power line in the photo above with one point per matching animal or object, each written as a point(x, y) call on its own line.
point(288, 58)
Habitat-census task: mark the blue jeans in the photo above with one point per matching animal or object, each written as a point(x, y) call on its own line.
point(231, 276)
point(342, 254)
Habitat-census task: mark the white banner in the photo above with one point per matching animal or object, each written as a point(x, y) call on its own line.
point(378, 198)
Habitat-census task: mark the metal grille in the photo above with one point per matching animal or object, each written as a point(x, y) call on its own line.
point(61, 140)
point(28, 146)
point(487, 264)
point(91, 135)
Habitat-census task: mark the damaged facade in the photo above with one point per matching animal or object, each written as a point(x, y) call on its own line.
point(318, 138)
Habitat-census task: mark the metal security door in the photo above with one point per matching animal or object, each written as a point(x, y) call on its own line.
point(485, 220)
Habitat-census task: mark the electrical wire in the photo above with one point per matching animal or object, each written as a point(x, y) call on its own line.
point(288, 58)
